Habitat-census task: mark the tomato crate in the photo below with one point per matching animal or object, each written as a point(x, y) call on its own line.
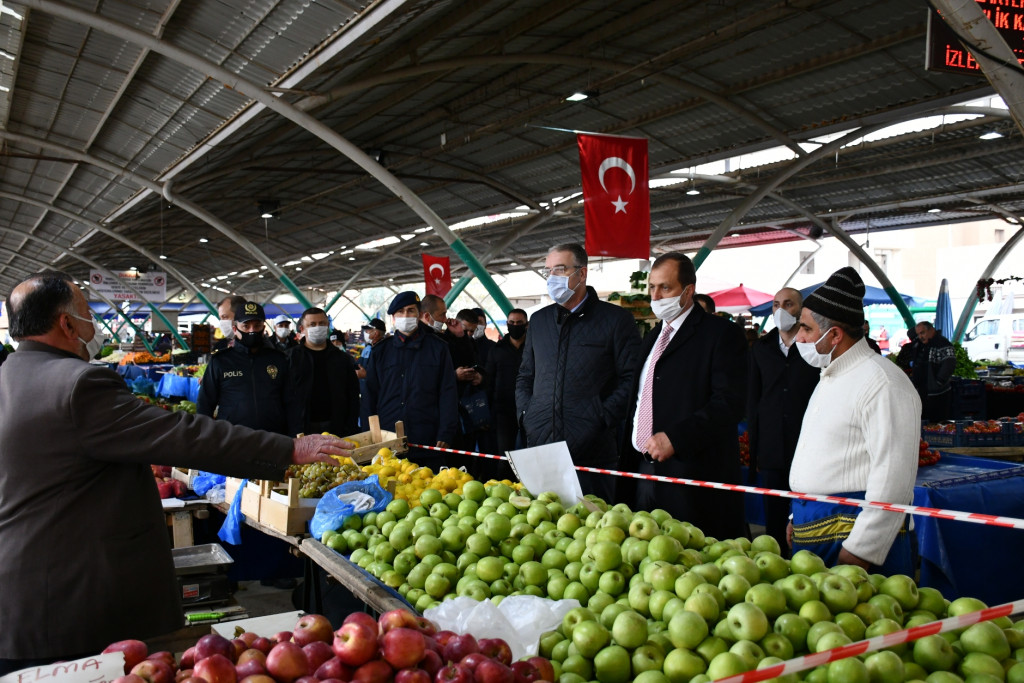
point(981, 434)
point(1013, 432)
point(941, 434)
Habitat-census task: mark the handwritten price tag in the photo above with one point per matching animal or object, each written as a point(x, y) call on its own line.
point(96, 669)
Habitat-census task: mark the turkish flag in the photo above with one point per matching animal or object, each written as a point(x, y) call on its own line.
point(437, 273)
point(616, 197)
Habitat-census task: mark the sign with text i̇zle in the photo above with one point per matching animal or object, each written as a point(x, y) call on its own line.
point(152, 284)
point(945, 52)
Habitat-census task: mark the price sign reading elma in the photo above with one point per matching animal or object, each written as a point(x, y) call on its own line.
point(945, 52)
point(96, 669)
point(152, 285)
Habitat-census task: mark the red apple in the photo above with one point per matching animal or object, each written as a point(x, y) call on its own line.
point(413, 676)
point(361, 618)
point(317, 653)
point(196, 679)
point(355, 644)
point(188, 659)
point(426, 626)
point(129, 678)
point(259, 678)
point(442, 637)
point(155, 671)
point(182, 674)
point(377, 671)
point(307, 679)
point(453, 673)
point(496, 648)
point(547, 671)
point(215, 669)
point(403, 647)
point(213, 644)
point(252, 662)
point(397, 618)
point(165, 657)
point(431, 662)
point(333, 668)
point(311, 628)
point(282, 637)
point(432, 644)
point(459, 646)
point(286, 662)
point(334, 680)
point(263, 644)
point(472, 661)
point(239, 646)
point(134, 652)
point(525, 672)
point(492, 671)
point(248, 637)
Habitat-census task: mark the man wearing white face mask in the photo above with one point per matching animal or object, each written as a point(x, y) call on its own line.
point(324, 380)
point(226, 323)
point(284, 338)
point(577, 370)
point(687, 400)
point(859, 437)
point(780, 385)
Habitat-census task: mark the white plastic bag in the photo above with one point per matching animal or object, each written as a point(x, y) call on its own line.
point(519, 620)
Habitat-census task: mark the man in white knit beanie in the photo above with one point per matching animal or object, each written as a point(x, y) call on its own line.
point(859, 437)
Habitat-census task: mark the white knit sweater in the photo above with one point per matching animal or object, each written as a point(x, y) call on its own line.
point(860, 433)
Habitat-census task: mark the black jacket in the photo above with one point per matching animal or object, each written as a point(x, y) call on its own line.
point(250, 389)
point(576, 376)
point(699, 391)
point(501, 370)
point(343, 383)
point(779, 389)
point(412, 379)
point(933, 366)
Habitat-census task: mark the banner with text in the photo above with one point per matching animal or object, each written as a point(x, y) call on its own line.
point(152, 285)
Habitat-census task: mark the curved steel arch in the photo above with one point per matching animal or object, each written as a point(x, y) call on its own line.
point(288, 111)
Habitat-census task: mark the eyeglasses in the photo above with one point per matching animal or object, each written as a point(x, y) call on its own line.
point(558, 271)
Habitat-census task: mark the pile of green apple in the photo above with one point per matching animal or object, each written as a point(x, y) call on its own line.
point(662, 603)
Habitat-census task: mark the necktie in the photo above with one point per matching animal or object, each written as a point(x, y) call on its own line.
point(645, 420)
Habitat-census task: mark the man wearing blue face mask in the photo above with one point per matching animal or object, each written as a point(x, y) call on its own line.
point(780, 385)
point(577, 370)
point(859, 437)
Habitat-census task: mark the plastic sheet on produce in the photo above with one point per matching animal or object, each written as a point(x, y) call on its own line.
point(519, 620)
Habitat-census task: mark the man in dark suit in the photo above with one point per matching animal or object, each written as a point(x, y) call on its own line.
point(781, 384)
point(75, 463)
point(686, 402)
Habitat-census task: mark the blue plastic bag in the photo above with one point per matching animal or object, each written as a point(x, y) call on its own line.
point(231, 530)
point(143, 386)
point(205, 481)
point(332, 510)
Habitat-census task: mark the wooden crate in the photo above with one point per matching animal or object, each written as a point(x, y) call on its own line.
point(250, 497)
point(283, 510)
point(375, 439)
point(184, 475)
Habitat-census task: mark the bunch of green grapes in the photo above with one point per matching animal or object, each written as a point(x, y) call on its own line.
point(318, 478)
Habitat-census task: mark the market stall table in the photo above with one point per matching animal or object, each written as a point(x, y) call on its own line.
point(364, 586)
point(180, 514)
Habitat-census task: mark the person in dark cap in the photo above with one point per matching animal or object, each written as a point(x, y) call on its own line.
point(337, 339)
point(374, 333)
point(248, 382)
point(859, 437)
point(409, 377)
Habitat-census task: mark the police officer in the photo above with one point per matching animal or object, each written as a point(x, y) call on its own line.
point(247, 383)
point(409, 377)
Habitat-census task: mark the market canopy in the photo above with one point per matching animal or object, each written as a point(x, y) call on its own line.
point(872, 296)
point(738, 299)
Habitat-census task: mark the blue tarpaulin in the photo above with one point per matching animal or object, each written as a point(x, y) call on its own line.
point(872, 295)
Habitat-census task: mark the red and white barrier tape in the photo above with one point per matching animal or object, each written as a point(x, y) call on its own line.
point(873, 644)
point(974, 517)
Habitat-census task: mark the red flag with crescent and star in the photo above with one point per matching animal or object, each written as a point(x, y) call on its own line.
point(437, 273)
point(616, 197)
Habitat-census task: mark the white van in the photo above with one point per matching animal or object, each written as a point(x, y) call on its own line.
point(999, 338)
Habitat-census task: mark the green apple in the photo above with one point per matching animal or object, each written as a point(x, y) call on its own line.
point(818, 630)
point(687, 629)
point(556, 587)
point(664, 547)
point(849, 670)
point(805, 562)
point(677, 604)
point(884, 667)
point(597, 602)
point(1015, 674)
point(747, 621)
point(573, 617)
point(987, 638)
point(931, 599)
point(651, 677)
point(590, 637)
point(608, 614)
point(734, 587)
point(647, 657)
point(660, 598)
point(711, 572)
point(437, 586)
point(640, 597)
point(934, 653)
point(889, 607)
point(851, 624)
point(590, 576)
point(882, 627)
point(568, 523)
point(771, 565)
point(687, 582)
point(612, 664)
point(629, 629)
point(838, 593)
point(723, 631)
point(719, 548)
point(501, 587)
point(765, 543)
point(744, 566)
point(613, 583)
point(777, 645)
point(832, 640)
point(644, 527)
point(712, 591)
point(490, 568)
point(867, 612)
point(681, 666)
point(703, 604)
point(533, 573)
point(576, 591)
point(770, 599)
point(979, 663)
point(918, 619)
point(794, 628)
point(750, 651)
point(798, 589)
point(964, 606)
point(725, 664)
point(815, 611)
point(711, 647)
point(577, 664)
point(903, 589)
point(659, 639)
point(607, 556)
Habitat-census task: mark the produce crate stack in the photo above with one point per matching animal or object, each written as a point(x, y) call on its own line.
point(969, 400)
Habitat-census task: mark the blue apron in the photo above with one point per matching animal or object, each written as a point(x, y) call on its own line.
point(822, 528)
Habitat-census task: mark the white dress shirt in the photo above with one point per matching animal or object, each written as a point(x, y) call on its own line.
point(673, 327)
